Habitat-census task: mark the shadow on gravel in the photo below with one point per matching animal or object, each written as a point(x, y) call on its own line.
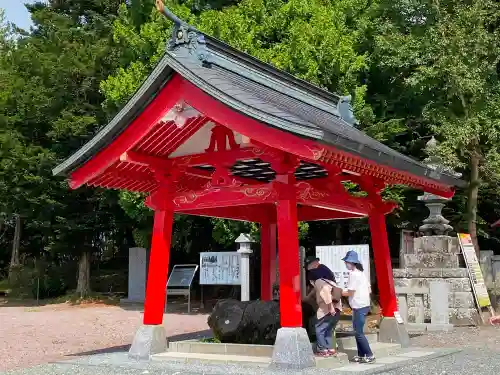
point(125, 348)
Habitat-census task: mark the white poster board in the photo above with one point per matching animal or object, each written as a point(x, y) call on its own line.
point(220, 268)
point(331, 256)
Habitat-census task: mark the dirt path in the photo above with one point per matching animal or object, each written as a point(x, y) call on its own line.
point(35, 335)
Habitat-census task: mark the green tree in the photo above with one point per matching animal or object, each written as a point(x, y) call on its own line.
point(447, 52)
point(49, 108)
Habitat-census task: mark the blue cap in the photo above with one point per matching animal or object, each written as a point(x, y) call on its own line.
point(351, 257)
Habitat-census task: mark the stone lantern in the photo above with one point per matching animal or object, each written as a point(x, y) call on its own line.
point(245, 250)
point(435, 224)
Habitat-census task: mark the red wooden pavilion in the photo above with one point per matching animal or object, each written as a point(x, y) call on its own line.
point(215, 132)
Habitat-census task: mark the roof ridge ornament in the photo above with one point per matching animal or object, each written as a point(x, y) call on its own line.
point(346, 112)
point(184, 34)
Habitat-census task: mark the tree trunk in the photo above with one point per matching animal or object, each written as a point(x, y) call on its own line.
point(83, 285)
point(16, 244)
point(472, 199)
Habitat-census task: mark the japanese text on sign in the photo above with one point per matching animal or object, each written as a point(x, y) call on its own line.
point(221, 268)
point(475, 273)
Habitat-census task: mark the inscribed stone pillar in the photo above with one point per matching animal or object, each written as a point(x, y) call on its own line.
point(137, 268)
point(439, 294)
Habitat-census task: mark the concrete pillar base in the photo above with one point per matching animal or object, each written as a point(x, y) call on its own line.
point(292, 350)
point(391, 331)
point(148, 340)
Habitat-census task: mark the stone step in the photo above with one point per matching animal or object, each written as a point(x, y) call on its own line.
point(327, 362)
point(213, 358)
point(346, 340)
point(379, 349)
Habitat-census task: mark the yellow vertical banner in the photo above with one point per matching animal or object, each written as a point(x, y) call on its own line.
point(475, 273)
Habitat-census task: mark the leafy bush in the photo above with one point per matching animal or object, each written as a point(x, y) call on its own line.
point(45, 280)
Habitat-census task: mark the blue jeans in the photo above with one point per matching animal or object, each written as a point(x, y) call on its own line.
point(324, 331)
point(358, 324)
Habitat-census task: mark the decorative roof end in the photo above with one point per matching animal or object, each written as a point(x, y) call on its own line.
point(345, 110)
point(186, 35)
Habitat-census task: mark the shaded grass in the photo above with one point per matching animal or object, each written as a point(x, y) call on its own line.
point(73, 299)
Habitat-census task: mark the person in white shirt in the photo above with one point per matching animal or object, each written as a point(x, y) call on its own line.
point(358, 290)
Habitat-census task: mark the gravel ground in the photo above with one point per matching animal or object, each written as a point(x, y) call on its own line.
point(487, 338)
point(35, 335)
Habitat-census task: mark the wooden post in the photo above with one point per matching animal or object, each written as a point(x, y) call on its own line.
point(158, 268)
point(267, 259)
point(289, 263)
point(383, 266)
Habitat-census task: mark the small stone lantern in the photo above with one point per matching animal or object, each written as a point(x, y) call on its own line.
point(435, 224)
point(245, 249)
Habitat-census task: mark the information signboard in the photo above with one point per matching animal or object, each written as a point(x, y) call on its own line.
point(475, 273)
point(180, 280)
point(182, 276)
point(220, 268)
point(331, 256)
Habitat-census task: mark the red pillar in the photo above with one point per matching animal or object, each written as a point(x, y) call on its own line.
point(289, 263)
point(267, 259)
point(383, 266)
point(158, 268)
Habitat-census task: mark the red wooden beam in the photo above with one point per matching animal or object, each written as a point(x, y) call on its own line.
point(214, 196)
point(253, 213)
point(310, 213)
point(309, 195)
point(140, 127)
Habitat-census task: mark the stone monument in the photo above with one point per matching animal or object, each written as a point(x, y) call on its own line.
point(137, 272)
point(434, 258)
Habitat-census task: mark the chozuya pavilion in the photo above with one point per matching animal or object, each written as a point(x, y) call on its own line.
point(214, 132)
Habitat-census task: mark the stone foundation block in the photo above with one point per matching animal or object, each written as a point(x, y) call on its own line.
point(399, 272)
point(433, 244)
point(459, 284)
point(292, 350)
point(402, 283)
point(391, 331)
point(148, 340)
point(463, 300)
point(465, 317)
point(455, 273)
point(416, 314)
point(431, 260)
point(425, 272)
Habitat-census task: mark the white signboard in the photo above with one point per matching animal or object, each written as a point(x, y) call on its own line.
point(331, 256)
point(221, 268)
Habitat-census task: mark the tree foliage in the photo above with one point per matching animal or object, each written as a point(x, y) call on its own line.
point(447, 52)
point(414, 69)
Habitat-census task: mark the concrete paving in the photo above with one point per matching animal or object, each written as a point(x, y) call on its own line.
point(411, 362)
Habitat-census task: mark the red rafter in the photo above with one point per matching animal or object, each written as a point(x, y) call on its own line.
point(161, 104)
